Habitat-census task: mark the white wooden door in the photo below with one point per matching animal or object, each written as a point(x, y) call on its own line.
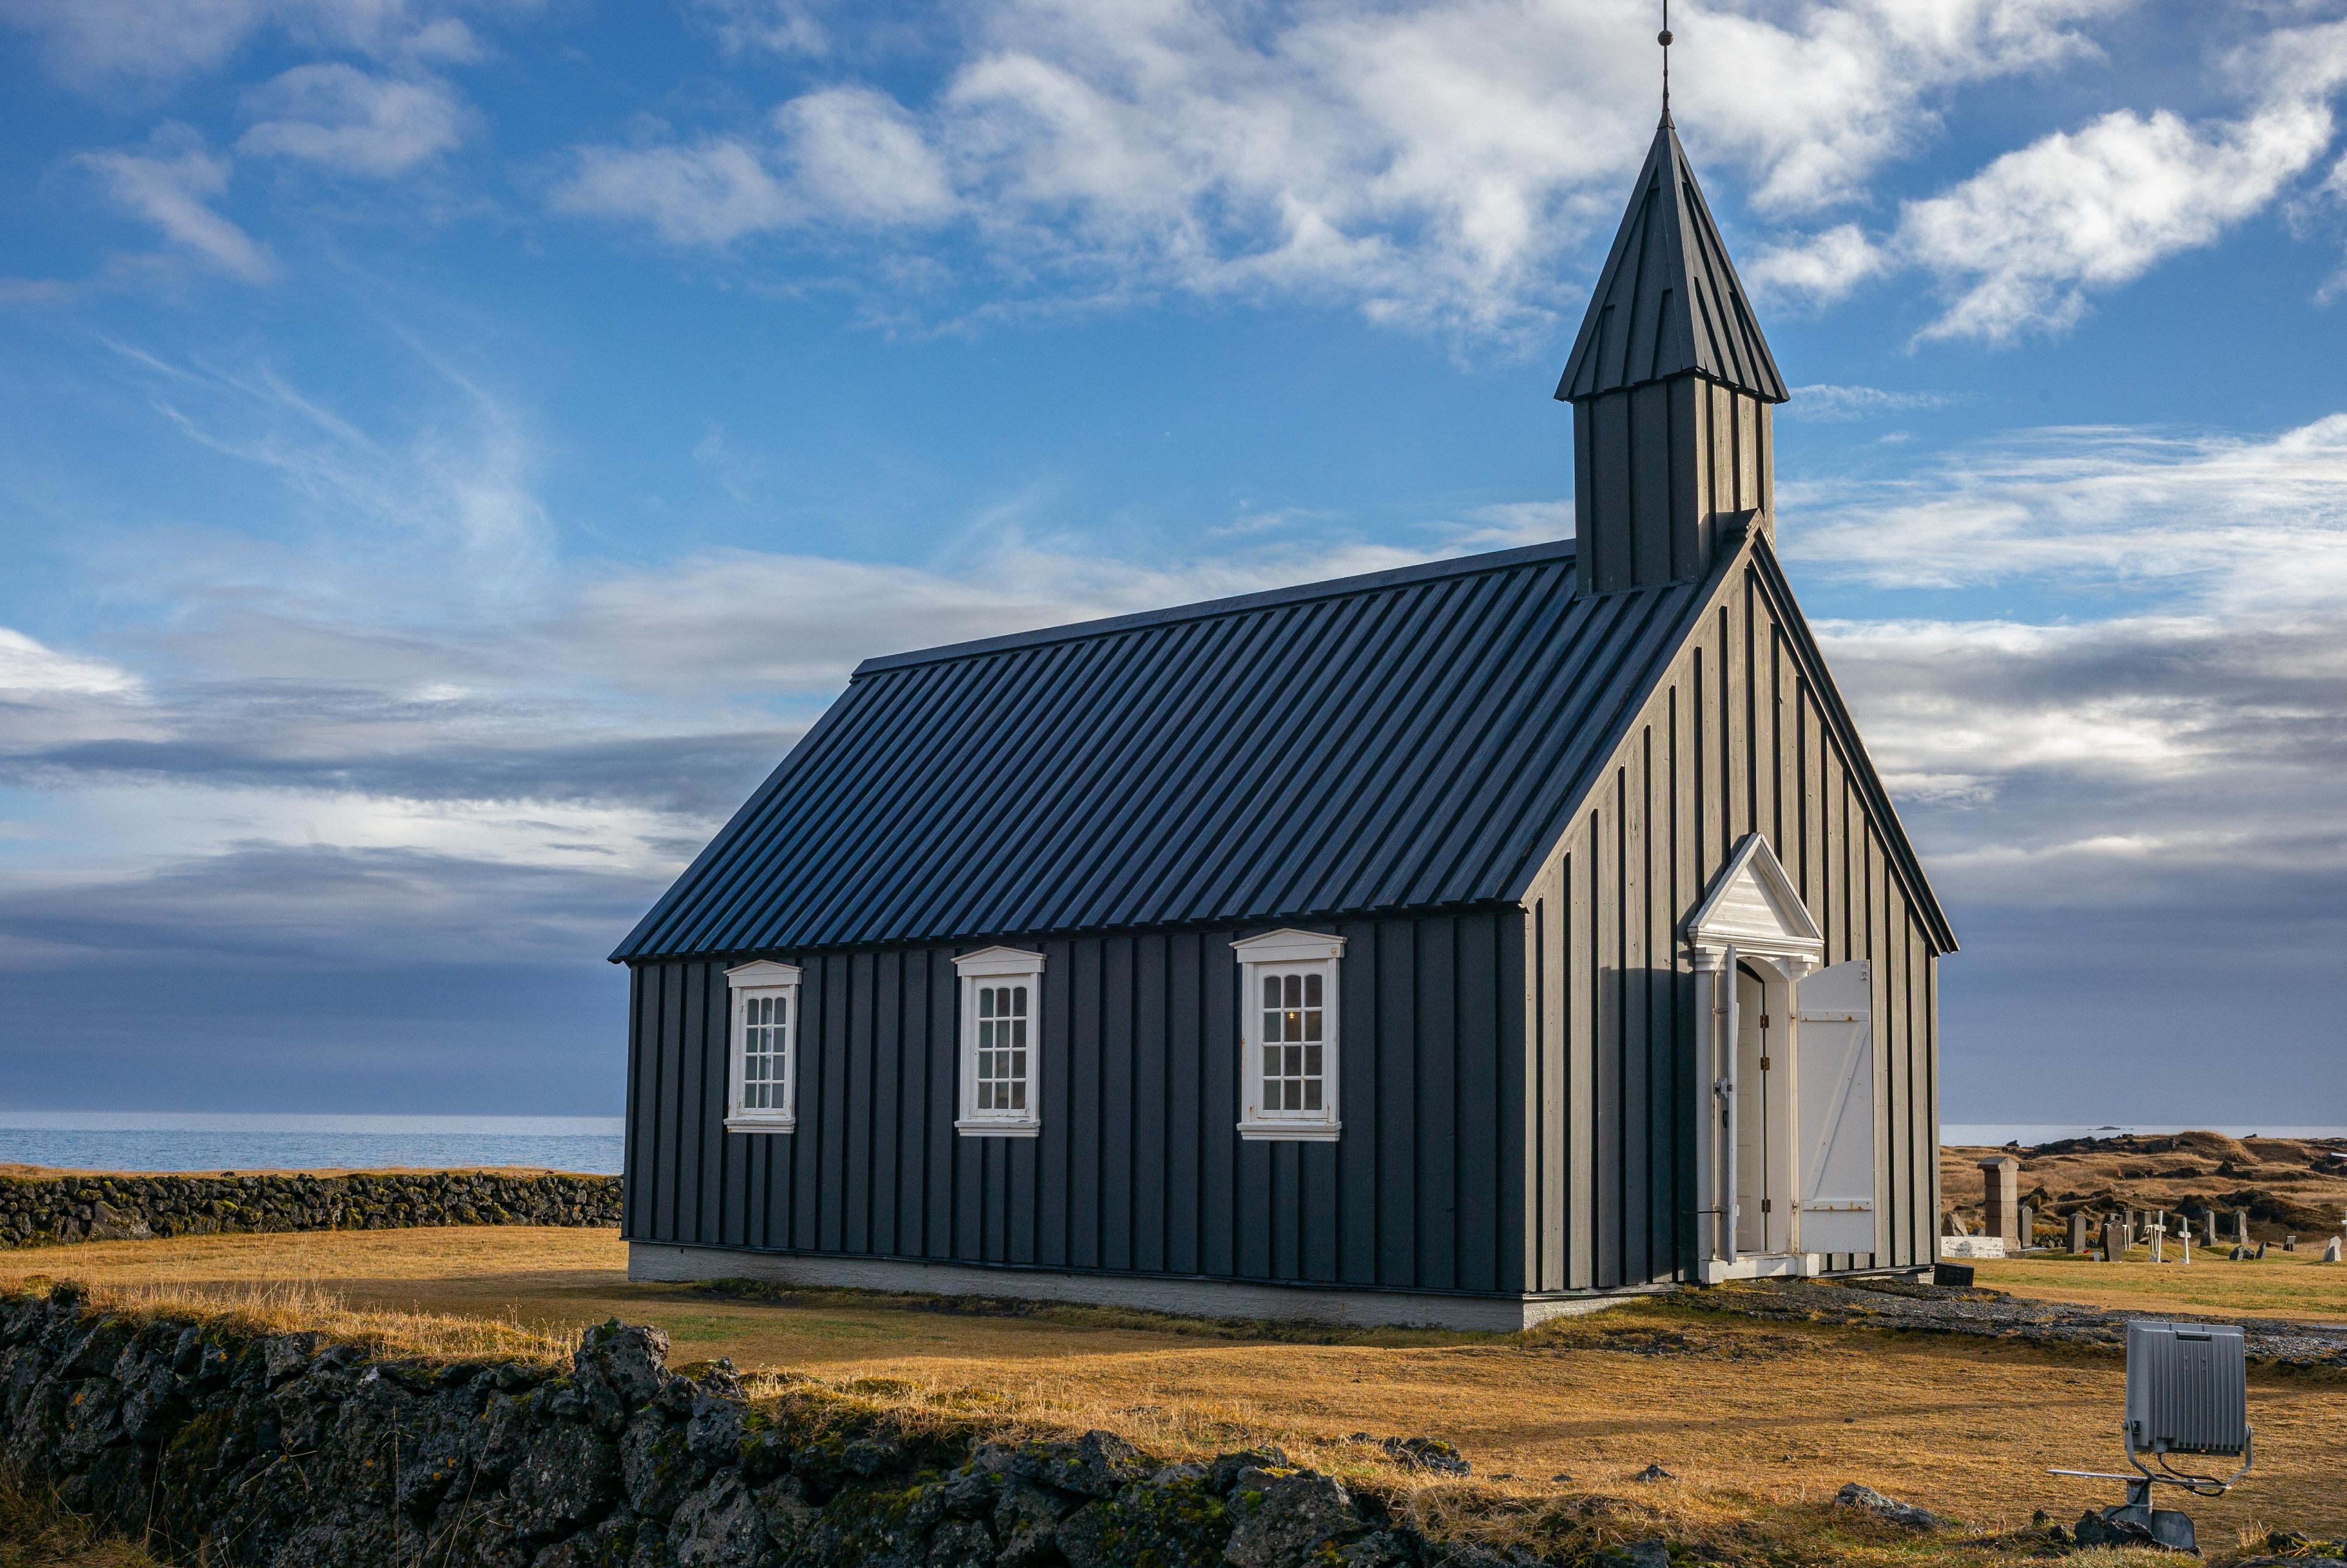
point(1836, 1136)
point(1760, 1212)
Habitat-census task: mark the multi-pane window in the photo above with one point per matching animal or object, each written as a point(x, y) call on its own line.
point(1291, 1040)
point(1295, 1017)
point(1001, 1043)
point(762, 1066)
point(765, 1050)
point(1002, 1049)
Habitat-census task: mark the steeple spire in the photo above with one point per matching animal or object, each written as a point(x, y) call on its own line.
point(1671, 381)
point(1664, 38)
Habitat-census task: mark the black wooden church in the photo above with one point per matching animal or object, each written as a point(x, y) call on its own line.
point(1461, 944)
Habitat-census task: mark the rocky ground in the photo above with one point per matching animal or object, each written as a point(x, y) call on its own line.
point(2286, 1183)
point(72, 1207)
point(1992, 1314)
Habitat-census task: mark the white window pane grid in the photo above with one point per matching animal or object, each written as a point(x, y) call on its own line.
point(1293, 1044)
point(1002, 1076)
point(765, 1051)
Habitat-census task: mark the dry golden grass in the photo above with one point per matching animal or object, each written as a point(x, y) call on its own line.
point(2280, 1285)
point(36, 1532)
point(1761, 1424)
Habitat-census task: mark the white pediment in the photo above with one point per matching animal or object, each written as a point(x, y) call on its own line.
point(989, 961)
point(1288, 946)
point(1754, 907)
point(762, 972)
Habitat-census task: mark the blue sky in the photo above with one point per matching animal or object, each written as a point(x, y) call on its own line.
point(449, 451)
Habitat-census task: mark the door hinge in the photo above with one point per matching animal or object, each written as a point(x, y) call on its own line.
point(1764, 1065)
point(1764, 1021)
point(1764, 1205)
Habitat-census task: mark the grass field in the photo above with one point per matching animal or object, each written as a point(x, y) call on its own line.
point(1747, 1416)
point(2280, 1285)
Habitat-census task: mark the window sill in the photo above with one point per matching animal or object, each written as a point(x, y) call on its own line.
point(1291, 1132)
point(762, 1123)
point(979, 1127)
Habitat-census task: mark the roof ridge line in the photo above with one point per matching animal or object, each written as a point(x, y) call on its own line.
point(1204, 609)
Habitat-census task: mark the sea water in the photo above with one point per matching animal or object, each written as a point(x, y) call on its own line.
point(166, 1141)
point(1995, 1134)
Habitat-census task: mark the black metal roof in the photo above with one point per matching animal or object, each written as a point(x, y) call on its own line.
point(1669, 301)
point(1404, 739)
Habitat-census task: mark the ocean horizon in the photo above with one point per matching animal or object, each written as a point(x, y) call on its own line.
point(217, 1142)
point(1997, 1133)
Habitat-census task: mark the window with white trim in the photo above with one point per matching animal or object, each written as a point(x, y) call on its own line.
point(761, 1077)
point(1001, 1043)
point(1287, 1064)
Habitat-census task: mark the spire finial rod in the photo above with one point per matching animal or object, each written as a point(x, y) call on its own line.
point(1664, 38)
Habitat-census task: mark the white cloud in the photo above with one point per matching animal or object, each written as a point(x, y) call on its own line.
point(1430, 163)
point(777, 27)
point(95, 44)
point(2243, 518)
point(1823, 267)
point(1840, 405)
point(2072, 760)
point(171, 184)
point(2028, 237)
point(90, 41)
point(29, 671)
point(710, 193)
point(457, 486)
point(343, 117)
point(858, 155)
point(2020, 245)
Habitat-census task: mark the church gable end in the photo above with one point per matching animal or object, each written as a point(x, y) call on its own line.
point(1742, 734)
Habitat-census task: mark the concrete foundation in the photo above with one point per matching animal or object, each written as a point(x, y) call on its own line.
point(1190, 1297)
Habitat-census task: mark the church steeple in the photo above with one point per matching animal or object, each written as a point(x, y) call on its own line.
point(1671, 384)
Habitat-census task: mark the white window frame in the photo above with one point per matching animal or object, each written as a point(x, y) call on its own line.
point(743, 981)
point(1287, 952)
point(994, 966)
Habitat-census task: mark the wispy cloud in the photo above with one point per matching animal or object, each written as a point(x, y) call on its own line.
point(353, 122)
point(2021, 245)
point(99, 45)
point(1841, 404)
point(1408, 160)
point(2078, 763)
point(172, 183)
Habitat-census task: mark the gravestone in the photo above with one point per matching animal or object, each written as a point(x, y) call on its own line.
point(2330, 1250)
point(2127, 1224)
point(2081, 1233)
point(2289, 1241)
point(2210, 1220)
point(2241, 1226)
point(2001, 1198)
point(2114, 1240)
point(2262, 1249)
point(2025, 1226)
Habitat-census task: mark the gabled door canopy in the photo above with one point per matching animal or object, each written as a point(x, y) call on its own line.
point(1755, 911)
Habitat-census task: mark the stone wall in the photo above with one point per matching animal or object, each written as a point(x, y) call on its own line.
point(37, 1209)
point(232, 1448)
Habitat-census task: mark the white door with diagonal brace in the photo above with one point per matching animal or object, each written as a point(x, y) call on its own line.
point(1836, 1137)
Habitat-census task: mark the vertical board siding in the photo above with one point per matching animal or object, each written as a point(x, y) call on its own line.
point(1138, 1167)
point(1518, 1085)
point(1736, 738)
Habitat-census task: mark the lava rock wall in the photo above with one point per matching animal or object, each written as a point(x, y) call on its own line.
point(239, 1450)
point(39, 1209)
